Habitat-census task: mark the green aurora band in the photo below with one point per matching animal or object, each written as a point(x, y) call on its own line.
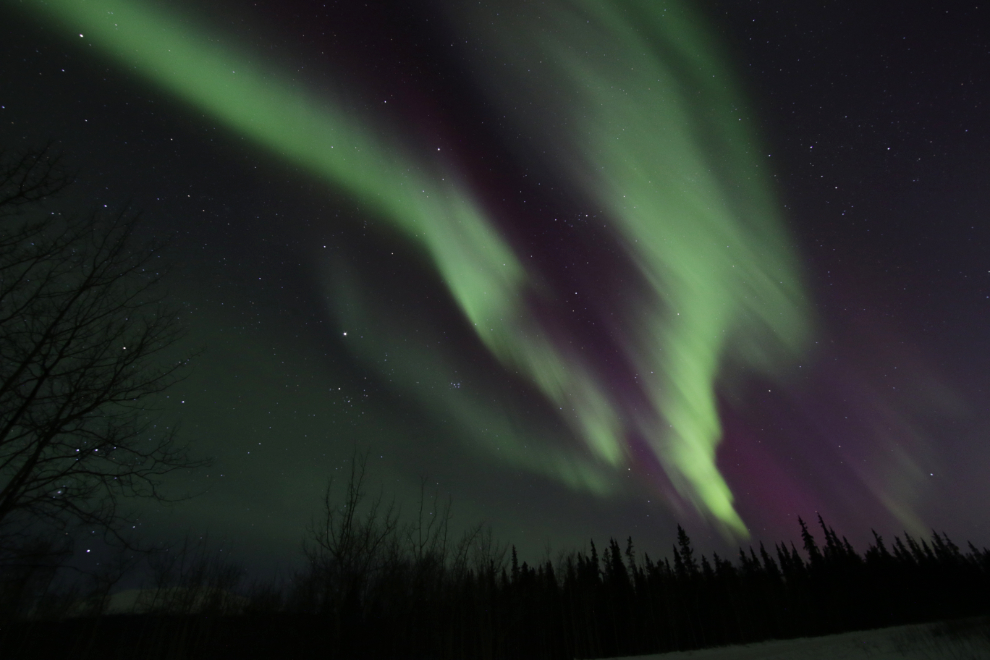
point(643, 117)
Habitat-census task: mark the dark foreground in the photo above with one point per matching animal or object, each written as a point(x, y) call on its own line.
point(584, 605)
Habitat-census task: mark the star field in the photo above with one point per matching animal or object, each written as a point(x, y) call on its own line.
point(591, 269)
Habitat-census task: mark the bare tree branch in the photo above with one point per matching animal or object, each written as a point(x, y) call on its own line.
point(85, 327)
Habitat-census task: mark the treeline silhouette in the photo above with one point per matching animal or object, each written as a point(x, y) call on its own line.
point(374, 586)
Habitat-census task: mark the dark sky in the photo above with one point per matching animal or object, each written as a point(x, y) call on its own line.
point(841, 150)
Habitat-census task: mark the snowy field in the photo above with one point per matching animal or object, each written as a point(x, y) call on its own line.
point(959, 640)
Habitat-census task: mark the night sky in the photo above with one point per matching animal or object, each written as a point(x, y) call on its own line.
point(592, 269)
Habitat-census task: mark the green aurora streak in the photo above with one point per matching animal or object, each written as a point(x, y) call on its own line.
point(644, 117)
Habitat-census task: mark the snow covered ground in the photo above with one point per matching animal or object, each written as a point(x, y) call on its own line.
point(961, 640)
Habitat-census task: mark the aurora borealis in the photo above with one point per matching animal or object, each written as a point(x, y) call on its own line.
point(566, 263)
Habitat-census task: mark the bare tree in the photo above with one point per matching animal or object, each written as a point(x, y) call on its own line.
point(428, 532)
point(84, 331)
point(352, 541)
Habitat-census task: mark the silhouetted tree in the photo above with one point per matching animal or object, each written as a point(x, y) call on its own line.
point(686, 552)
point(84, 331)
point(810, 546)
point(348, 546)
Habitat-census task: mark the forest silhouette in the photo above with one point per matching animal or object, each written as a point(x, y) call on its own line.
point(375, 585)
